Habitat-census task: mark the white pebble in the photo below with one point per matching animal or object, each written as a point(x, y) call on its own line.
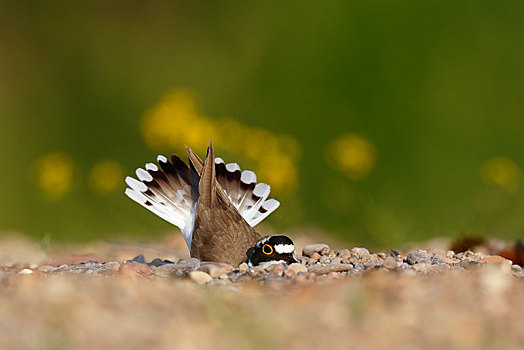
point(25, 272)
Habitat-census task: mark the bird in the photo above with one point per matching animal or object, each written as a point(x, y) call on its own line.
point(215, 205)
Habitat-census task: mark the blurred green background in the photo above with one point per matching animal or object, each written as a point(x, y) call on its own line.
point(381, 121)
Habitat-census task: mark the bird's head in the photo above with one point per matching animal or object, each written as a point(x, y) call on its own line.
point(270, 250)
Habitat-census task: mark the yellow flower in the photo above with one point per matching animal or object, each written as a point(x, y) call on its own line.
point(501, 172)
point(106, 176)
point(175, 122)
point(54, 174)
point(353, 155)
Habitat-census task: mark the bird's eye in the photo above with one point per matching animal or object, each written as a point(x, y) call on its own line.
point(267, 249)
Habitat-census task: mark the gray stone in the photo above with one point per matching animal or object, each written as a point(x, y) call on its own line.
point(324, 260)
point(358, 267)
point(390, 263)
point(139, 259)
point(359, 253)
point(343, 252)
point(185, 266)
point(313, 248)
point(436, 260)
point(369, 265)
point(336, 260)
point(166, 270)
point(422, 267)
point(417, 257)
point(324, 251)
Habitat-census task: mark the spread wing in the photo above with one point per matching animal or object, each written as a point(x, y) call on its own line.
point(170, 190)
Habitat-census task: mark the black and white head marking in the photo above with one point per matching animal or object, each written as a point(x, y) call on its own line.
point(272, 249)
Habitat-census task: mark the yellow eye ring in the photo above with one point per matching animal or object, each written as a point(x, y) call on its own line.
point(267, 249)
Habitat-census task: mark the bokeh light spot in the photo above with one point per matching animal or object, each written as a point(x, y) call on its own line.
point(353, 155)
point(54, 174)
point(501, 172)
point(106, 176)
point(175, 122)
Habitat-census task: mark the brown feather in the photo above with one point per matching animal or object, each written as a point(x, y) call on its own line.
point(207, 185)
point(221, 234)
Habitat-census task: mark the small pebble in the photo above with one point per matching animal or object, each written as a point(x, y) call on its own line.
point(313, 248)
point(139, 259)
point(199, 277)
point(359, 253)
point(417, 257)
point(324, 251)
point(390, 263)
point(157, 262)
point(25, 272)
point(243, 268)
point(297, 268)
point(324, 260)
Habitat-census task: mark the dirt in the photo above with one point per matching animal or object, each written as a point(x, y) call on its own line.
point(408, 301)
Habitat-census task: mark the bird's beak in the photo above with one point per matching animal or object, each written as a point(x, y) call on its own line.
point(291, 260)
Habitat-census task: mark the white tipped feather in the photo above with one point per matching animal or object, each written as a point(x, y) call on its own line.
point(135, 184)
point(245, 194)
point(248, 177)
point(138, 197)
point(232, 167)
point(267, 208)
point(262, 190)
point(151, 166)
point(164, 192)
point(143, 175)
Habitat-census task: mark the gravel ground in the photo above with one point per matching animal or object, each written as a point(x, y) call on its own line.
point(344, 298)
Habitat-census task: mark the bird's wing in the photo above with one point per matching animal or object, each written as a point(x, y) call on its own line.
point(170, 190)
